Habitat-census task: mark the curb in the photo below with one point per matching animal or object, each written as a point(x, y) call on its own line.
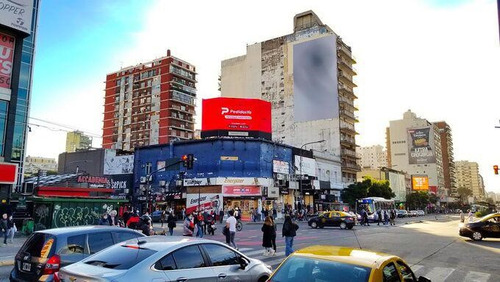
point(6, 262)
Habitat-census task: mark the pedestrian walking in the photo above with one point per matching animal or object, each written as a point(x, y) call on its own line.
point(4, 227)
point(163, 217)
point(231, 224)
point(289, 231)
point(273, 240)
point(365, 218)
point(267, 236)
point(145, 225)
point(113, 220)
point(386, 217)
point(221, 215)
point(12, 229)
point(462, 216)
point(379, 215)
point(205, 222)
point(171, 224)
point(188, 228)
point(393, 217)
point(104, 220)
point(198, 222)
point(275, 213)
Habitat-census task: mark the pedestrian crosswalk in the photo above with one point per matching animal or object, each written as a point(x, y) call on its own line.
point(434, 273)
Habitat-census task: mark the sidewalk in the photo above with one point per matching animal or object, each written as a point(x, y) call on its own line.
point(7, 253)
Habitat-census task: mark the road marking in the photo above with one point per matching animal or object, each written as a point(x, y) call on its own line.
point(416, 268)
point(250, 254)
point(439, 274)
point(245, 249)
point(473, 276)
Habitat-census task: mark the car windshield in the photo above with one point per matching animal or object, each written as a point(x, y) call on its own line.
point(120, 257)
point(40, 245)
point(299, 268)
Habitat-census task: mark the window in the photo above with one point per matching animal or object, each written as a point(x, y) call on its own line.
point(220, 255)
point(99, 241)
point(166, 263)
point(124, 236)
point(188, 257)
point(76, 245)
point(406, 272)
point(121, 257)
point(390, 273)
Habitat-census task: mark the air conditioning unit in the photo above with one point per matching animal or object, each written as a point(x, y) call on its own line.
point(143, 179)
point(280, 176)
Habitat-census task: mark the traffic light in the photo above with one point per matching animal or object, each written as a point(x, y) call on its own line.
point(495, 168)
point(187, 161)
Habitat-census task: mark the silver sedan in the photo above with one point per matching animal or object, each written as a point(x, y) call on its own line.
point(162, 258)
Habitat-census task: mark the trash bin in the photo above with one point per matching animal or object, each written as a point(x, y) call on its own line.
point(28, 225)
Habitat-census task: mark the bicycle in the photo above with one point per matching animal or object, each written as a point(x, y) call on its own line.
point(239, 225)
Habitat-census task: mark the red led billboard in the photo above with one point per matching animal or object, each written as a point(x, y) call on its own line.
point(8, 173)
point(236, 117)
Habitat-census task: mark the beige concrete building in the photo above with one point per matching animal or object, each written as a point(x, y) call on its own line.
point(286, 71)
point(34, 164)
point(372, 157)
point(76, 141)
point(467, 175)
point(397, 180)
point(414, 147)
point(448, 159)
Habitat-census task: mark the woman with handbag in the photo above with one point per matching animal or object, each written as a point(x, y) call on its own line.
point(267, 236)
point(171, 224)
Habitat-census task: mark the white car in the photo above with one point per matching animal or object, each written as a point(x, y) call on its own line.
point(412, 213)
point(420, 213)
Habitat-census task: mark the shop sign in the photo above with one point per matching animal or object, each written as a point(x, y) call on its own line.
point(242, 181)
point(17, 14)
point(280, 167)
point(228, 158)
point(241, 190)
point(284, 191)
point(196, 182)
point(8, 173)
point(273, 192)
point(208, 202)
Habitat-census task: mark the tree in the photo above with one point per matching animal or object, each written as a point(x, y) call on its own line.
point(464, 193)
point(367, 188)
point(417, 200)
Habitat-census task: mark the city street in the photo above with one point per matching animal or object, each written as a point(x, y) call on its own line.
point(431, 247)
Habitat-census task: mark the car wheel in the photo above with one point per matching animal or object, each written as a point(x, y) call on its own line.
point(350, 227)
point(343, 225)
point(263, 279)
point(321, 226)
point(477, 236)
point(314, 225)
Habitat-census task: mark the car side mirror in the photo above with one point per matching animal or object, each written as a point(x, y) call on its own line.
point(243, 262)
point(423, 279)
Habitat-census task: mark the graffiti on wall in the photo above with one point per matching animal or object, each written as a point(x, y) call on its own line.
point(80, 215)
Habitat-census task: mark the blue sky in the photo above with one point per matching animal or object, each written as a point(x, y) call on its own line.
point(440, 59)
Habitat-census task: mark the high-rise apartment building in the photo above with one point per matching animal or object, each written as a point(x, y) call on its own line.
point(414, 145)
point(150, 103)
point(373, 157)
point(76, 141)
point(448, 160)
point(467, 175)
point(17, 45)
point(308, 78)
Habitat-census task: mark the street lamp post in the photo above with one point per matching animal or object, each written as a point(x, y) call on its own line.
point(300, 166)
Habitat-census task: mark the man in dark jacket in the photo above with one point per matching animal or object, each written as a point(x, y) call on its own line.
point(4, 227)
point(289, 231)
point(171, 223)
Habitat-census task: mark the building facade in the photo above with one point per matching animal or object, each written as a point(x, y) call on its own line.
point(76, 141)
point(34, 164)
point(415, 148)
point(467, 175)
point(397, 180)
point(285, 71)
point(372, 157)
point(150, 103)
point(17, 45)
point(450, 182)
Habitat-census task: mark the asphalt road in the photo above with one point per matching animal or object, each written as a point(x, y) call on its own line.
point(431, 247)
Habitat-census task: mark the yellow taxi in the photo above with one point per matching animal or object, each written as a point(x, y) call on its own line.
point(330, 263)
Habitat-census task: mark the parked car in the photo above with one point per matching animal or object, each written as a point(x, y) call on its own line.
point(333, 218)
point(156, 216)
point(486, 227)
point(420, 213)
point(161, 258)
point(45, 251)
point(330, 263)
point(402, 213)
point(413, 213)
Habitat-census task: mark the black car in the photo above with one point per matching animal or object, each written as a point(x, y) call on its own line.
point(486, 227)
point(333, 218)
point(45, 251)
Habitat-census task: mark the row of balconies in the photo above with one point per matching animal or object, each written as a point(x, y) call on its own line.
point(350, 115)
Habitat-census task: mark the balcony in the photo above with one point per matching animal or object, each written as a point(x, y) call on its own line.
point(182, 87)
point(173, 126)
point(349, 115)
point(347, 141)
point(344, 52)
point(350, 166)
point(346, 79)
point(178, 108)
point(184, 119)
point(347, 104)
point(350, 154)
point(182, 73)
point(346, 67)
point(348, 129)
point(347, 92)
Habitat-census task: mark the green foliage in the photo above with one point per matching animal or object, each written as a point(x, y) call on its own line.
point(481, 213)
point(464, 192)
point(367, 188)
point(417, 200)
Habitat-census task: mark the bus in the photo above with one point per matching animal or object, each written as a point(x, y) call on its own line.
point(372, 205)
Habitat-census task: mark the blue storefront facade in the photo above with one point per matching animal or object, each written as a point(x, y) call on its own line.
point(227, 173)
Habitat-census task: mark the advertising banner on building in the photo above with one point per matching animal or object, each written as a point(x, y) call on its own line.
point(236, 117)
point(208, 202)
point(8, 173)
point(121, 184)
point(281, 167)
point(398, 186)
point(421, 146)
point(420, 183)
point(7, 44)
point(308, 165)
point(17, 14)
point(114, 164)
point(241, 190)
